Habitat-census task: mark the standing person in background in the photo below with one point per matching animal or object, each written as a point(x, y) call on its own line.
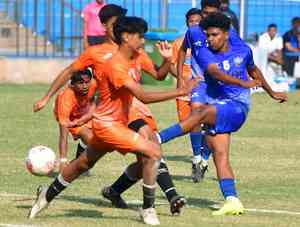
point(193, 17)
point(93, 30)
point(229, 13)
point(290, 45)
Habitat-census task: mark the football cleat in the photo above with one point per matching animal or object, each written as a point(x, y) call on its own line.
point(149, 216)
point(232, 206)
point(196, 172)
point(176, 204)
point(114, 197)
point(40, 202)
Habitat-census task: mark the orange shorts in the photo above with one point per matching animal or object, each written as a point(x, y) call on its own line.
point(139, 112)
point(183, 109)
point(110, 136)
point(76, 130)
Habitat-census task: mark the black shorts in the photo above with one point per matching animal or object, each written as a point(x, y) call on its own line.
point(95, 40)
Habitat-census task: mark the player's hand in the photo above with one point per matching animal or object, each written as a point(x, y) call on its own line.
point(280, 96)
point(251, 83)
point(71, 124)
point(165, 49)
point(40, 104)
point(188, 86)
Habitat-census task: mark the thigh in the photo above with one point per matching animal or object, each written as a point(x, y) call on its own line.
point(124, 140)
point(230, 116)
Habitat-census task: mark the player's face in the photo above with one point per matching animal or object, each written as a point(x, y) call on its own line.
point(194, 20)
point(109, 27)
point(207, 10)
point(135, 41)
point(272, 32)
point(99, 1)
point(217, 38)
point(82, 87)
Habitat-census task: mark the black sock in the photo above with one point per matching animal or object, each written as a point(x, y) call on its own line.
point(149, 196)
point(122, 183)
point(56, 188)
point(79, 151)
point(165, 182)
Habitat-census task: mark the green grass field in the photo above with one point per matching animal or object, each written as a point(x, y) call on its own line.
point(264, 154)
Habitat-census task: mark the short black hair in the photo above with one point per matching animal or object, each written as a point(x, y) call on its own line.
point(111, 10)
point(130, 25)
point(272, 26)
point(211, 3)
point(77, 76)
point(192, 11)
point(225, 1)
point(218, 20)
point(295, 20)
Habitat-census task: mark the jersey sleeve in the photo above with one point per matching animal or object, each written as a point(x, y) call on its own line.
point(187, 42)
point(250, 61)
point(63, 107)
point(84, 60)
point(85, 13)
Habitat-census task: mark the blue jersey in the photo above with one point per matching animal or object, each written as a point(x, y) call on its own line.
point(234, 62)
point(195, 39)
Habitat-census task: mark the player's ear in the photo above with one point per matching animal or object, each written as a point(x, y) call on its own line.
point(125, 37)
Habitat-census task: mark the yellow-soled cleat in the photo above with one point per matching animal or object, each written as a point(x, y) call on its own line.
point(232, 206)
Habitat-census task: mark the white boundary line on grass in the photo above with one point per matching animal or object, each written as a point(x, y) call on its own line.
point(13, 225)
point(139, 202)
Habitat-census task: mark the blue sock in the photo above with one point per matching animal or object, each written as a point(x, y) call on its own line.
point(196, 141)
point(228, 187)
point(170, 133)
point(206, 152)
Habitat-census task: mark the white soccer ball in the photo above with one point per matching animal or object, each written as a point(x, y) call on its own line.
point(40, 161)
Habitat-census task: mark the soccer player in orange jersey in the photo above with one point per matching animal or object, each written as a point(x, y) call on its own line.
point(74, 107)
point(110, 131)
point(140, 118)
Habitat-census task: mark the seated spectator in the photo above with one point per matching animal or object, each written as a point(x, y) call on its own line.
point(271, 44)
point(93, 30)
point(291, 45)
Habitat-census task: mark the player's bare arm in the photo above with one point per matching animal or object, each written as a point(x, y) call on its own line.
point(84, 119)
point(150, 97)
point(60, 81)
point(63, 146)
point(256, 74)
point(180, 63)
point(215, 72)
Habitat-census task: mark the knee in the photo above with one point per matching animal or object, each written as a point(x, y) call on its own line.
point(84, 163)
point(156, 154)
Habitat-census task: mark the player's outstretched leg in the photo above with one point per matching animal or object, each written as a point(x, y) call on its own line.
point(71, 172)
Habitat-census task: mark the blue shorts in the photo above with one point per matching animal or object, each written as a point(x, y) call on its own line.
point(198, 94)
point(230, 115)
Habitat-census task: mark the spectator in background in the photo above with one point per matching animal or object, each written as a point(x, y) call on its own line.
point(229, 13)
point(93, 30)
point(291, 45)
point(271, 43)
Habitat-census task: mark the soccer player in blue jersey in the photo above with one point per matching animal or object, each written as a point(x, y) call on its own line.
point(195, 40)
point(227, 108)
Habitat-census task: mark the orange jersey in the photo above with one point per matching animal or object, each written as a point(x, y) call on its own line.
point(115, 99)
point(95, 57)
point(69, 107)
point(138, 109)
point(187, 70)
